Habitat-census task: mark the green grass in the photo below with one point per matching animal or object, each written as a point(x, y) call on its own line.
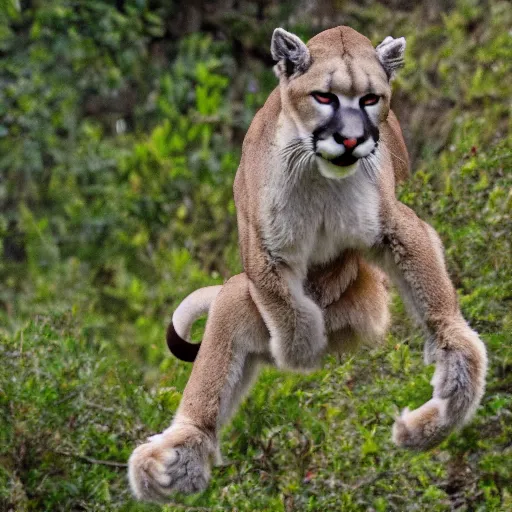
point(316, 442)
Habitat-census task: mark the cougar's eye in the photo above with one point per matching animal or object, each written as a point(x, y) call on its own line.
point(324, 98)
point(369, 99)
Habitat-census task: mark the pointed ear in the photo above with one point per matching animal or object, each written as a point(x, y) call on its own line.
point(391, 54)
point(290, 52)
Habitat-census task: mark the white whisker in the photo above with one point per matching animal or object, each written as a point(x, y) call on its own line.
point(297, 155)
point(371, 164)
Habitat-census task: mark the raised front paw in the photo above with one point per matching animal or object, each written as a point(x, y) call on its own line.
point(158, 468)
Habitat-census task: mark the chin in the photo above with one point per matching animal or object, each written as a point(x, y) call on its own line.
point(335, 172)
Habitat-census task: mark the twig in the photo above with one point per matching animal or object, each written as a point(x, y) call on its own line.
point(67, 397)
point(190, 508)
point(369, 480)
point(90, 460)
point(99, 406)
point(15, 354)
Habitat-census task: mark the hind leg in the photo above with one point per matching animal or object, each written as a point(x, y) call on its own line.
point(361, 315)
point(234, 346)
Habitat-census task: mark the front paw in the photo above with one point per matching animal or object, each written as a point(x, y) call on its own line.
point(160, 468)
point(422, 428)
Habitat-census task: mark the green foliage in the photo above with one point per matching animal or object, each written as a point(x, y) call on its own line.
point(119, 143)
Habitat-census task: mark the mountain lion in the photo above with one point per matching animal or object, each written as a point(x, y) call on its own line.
point(320, 228)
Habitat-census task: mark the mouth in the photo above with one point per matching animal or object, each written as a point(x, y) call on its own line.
point(344, 160)
point(340, 167)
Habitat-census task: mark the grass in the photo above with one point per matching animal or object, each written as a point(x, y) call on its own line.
point(313, 442)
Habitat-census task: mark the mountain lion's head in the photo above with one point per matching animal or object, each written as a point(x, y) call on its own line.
point(336, 91)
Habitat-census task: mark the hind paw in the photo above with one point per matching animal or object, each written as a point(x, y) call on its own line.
point(158, 469)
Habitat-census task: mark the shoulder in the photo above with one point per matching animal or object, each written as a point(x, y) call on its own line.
point(392, 136)
point(256, 148)
point(263, 125)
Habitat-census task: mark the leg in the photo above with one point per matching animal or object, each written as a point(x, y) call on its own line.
point(412, 253)
point(361, 315)
point(295, 322)
point(234, 344)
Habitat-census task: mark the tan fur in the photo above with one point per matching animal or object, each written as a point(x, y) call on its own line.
point(309, 245)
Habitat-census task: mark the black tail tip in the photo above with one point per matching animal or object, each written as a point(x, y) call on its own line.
point(179, 347)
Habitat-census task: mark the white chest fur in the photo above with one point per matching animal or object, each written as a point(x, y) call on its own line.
point(312, 219)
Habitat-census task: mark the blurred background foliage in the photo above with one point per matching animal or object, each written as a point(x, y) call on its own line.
point(121, 126)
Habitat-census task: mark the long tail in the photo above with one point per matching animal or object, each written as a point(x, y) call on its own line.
point(178, 333)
